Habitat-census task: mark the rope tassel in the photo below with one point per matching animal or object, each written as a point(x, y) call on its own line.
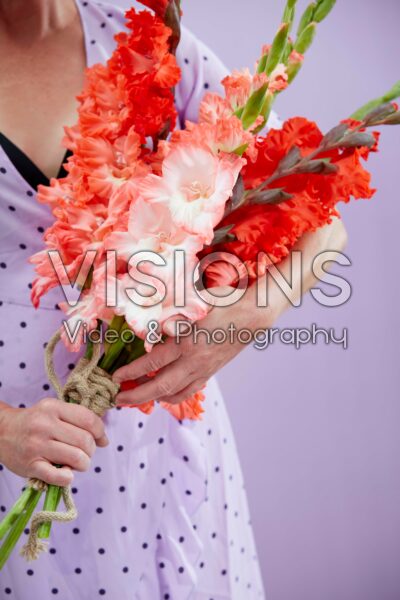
point(34, 546)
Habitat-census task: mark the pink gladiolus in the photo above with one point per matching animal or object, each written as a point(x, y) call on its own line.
point(195, 185)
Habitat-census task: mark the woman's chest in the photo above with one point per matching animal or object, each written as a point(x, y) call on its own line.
point(38, 89)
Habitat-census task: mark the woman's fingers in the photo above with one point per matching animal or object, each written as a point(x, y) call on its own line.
point(59, 453)
point(161, 356)
point(50, 474)
point(168, 382)
point(185, 394)
point(76, 437)
point(85, 419)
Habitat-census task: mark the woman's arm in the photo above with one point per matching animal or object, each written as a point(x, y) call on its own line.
point(185, 366)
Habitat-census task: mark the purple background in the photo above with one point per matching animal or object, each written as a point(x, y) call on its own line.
point(318, 429)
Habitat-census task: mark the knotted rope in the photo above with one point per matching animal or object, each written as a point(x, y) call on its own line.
point(89, 386)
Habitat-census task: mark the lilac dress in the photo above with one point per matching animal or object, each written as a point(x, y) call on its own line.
point(163, 511)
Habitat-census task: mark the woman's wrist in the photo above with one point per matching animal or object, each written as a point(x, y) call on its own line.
point(5, 410)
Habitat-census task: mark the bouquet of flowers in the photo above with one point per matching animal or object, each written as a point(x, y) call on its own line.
point(175, 203)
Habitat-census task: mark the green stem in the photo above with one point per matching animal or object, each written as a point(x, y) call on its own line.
point(18, 527)
point(15, 511)
point(53, 496)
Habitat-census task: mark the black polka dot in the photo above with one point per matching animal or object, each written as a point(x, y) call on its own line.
point(46, 387)
point(22, 246)
point(181, 569)
point(206, 86)
point(166, 596)
point(22, 365)
point(23, 324)
point(161, 440)
point(92, 41)
point(40, 229)
point(85, 3)
point(223, 572)
point(188, 493)
point(121, 488)
point(97, 469)
point(52, 551)
point(99, 510)
point(159, 536)
point(187, 61)
point(181, 539)
point(7, 590)
point(213, 535)
point(144, 546)
point(124, 529)
point(109, 15)
point(120, 448)
point(102, 592)
point(201, 565)
point(102, 25)
point(3, 170)
point(143, 505)
point(54, 591)
point(74, 490)
point(71, 366)
point(161, 565)
point(3, 265)
point(163, 481)
point(22, 406)
point(205, 57)
point(1, 343)
point(142, 465)
point(185, 458)
point(2, 508)
point(12, 208)
point(78, 570)
point(75, 531)
point(101, 551)
point(29, 193)
point(125, 570)
point(140, 424)
point(29, 572)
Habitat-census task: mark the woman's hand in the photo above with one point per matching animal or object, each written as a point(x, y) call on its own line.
point(184, 365)
point(33, 440)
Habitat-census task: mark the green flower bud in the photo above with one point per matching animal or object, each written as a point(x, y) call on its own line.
point(254, 106)
point(307, 18)
point(323, 9)
point(305, 40)
point(277, 48)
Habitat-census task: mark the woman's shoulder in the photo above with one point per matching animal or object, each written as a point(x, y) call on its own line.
point(201, 69)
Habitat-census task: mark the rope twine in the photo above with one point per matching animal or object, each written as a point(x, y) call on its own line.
point(89, 386)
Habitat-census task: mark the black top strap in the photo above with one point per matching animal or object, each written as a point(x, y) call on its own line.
point(25, 166)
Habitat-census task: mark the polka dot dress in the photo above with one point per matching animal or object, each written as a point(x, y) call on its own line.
point(163, 511)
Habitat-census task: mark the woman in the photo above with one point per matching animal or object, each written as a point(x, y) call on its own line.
point(163, 512)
